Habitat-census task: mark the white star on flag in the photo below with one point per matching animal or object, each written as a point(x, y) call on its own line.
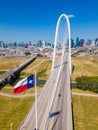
point(30, 81)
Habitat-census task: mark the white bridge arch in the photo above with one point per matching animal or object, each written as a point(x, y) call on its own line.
point(69, 41)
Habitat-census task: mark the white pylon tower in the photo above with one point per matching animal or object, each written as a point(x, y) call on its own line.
point(69, 40)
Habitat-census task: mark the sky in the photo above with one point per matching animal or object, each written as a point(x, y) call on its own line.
point(33, 20)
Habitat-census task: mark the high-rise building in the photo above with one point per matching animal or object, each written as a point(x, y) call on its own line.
point(43, 42)
point(81, 42)
point(89, 42)
point(39, 43)
point(1, 43)
point(30, 43)
point(72, 43)
point(96, 42)
point(77, 41)
point(15, 44)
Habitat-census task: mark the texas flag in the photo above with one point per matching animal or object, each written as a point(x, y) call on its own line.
point(24, 84)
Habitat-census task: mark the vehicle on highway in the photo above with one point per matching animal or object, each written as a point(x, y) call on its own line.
point(59, 95)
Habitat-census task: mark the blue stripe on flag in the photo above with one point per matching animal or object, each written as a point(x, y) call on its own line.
point(31, 81)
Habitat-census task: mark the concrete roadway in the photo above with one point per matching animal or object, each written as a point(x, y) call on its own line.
point(59, 115)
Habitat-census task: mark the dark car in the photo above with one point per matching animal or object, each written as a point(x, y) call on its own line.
point(59, 95)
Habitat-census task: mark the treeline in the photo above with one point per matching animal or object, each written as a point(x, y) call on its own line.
point(88, 83)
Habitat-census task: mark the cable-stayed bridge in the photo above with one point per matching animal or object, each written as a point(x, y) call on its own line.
point(54, 104)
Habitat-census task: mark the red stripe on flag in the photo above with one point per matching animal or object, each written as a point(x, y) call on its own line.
point(20, 89)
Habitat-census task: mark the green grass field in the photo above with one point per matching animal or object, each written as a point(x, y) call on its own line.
point(7, 63)
point(82, 91)
point(85, 113)
point(33, 64)
point(14, 110)
point(84, 68)
point(85, 108)
point(41, 66)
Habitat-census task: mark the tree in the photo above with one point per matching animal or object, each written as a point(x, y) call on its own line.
point(27, 53)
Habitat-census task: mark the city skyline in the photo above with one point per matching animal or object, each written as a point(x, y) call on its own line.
point(34, 20)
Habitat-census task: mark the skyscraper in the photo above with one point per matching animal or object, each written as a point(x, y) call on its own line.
point(77, 41)
point(89, 42)
point(39, 44)
point(81, 42)
point(96, 42)
point(72, 43)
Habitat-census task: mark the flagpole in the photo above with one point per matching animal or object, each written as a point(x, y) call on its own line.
point(36, 103)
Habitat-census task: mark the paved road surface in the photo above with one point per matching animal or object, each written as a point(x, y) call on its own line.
point(61, 115)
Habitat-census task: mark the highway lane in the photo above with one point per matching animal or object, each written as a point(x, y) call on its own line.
point(58, 118)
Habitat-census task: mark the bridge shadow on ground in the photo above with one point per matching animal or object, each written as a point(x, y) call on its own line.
point(54, 114)
point(59, 65)
point(56, 119)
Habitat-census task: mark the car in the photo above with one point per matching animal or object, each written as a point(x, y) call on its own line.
point(59, 95)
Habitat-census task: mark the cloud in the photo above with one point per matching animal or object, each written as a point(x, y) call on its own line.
point(71, 16)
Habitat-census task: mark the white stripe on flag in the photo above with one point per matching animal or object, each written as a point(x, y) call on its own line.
point(21, 82)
